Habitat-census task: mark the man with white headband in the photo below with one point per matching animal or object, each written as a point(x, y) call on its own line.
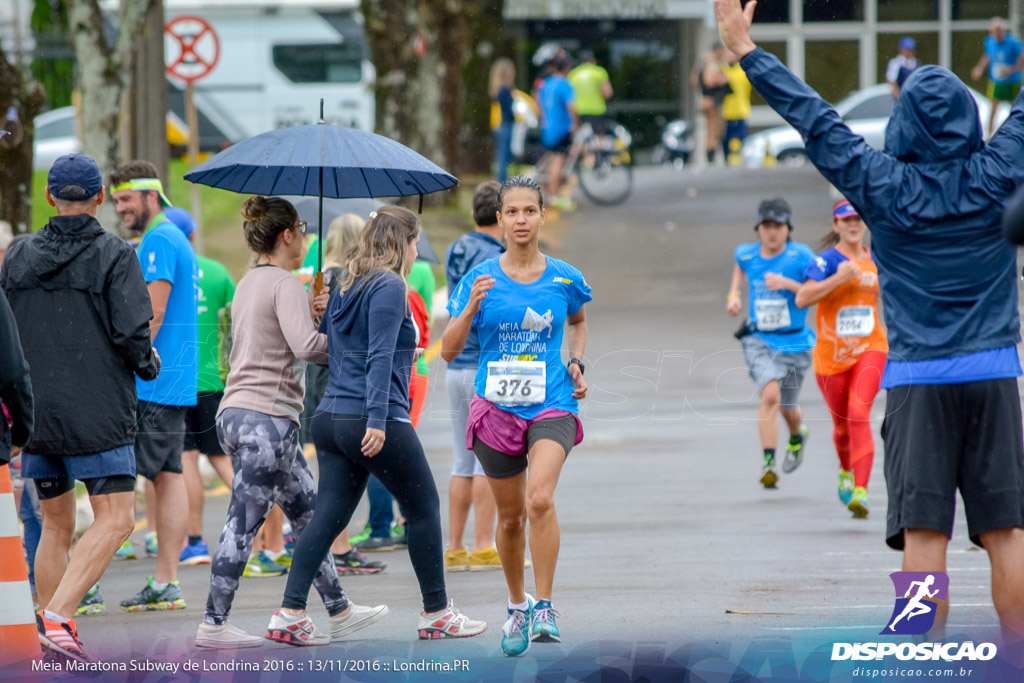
point(171, 273)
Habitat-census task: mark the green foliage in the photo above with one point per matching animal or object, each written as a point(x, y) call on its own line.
point(53, 63)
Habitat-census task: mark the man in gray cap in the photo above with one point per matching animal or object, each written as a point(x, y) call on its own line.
point(82, 309)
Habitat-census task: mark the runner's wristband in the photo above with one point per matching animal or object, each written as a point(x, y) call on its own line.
point(578, 362)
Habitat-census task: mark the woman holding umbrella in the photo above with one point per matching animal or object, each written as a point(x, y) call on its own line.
point(258, 426)
point(362, 425)
point(525, 413)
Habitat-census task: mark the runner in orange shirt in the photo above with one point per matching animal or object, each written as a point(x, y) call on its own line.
point(850, 353)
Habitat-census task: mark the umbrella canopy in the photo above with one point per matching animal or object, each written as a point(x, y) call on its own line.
point(308, 208)
point(354, 163)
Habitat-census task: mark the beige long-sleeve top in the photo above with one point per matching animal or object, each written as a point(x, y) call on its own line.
point(272, 338)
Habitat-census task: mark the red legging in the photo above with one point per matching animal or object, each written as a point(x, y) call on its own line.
point(849, 396)
point(418, 385)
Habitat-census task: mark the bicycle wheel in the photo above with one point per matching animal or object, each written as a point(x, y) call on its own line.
point(607, 179)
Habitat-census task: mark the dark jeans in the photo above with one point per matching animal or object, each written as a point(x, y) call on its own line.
point(382, 505)
point(402, 468)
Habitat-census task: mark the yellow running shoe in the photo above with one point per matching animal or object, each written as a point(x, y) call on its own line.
point(859, 505)
point(457, 560)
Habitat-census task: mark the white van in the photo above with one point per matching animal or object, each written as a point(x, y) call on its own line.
point(277, 59)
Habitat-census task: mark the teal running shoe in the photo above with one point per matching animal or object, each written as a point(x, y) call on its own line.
point(92, 603)
point(515, 639)
point(126, 551)
point(859, 503)
point(151, 545)
point(845, 486)
point(260, 565)
point(545, 630)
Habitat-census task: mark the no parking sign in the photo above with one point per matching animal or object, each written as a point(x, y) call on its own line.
point(192, 49)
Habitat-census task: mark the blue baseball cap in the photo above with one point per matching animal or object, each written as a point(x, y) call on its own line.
point(74, 177)
point(181, 218)
point(844, 209)
point(908, 43)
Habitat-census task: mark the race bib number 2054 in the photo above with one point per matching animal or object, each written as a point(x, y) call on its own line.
point(516, 382)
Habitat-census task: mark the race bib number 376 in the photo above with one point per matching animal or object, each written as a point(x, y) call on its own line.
point(516, 382)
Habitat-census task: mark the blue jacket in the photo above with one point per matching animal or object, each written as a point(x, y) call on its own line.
point(370, 355)
point(468, 251)
point(932, 201)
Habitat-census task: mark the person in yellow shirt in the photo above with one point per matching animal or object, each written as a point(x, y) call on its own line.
point(735, 109)
point(593, 90)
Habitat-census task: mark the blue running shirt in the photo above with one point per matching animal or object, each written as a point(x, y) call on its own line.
point(520, 321)
point(781, 324)
point(166, 254)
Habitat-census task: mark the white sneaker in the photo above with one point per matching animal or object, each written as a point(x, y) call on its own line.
point(300, 632)
point(448, 623)
point(355, 618)
point(225, 637)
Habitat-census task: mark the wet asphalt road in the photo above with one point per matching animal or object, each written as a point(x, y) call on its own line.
point(667, 536)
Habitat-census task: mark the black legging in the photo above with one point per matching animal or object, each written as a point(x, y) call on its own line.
point(402, 468)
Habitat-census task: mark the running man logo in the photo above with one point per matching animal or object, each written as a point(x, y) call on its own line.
point(537, 322)
point(917, 595)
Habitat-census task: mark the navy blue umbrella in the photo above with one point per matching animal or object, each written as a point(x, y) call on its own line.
point(322, 160)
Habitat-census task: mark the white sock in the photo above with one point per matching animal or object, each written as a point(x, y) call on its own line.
point(55, 617)
point(522, 607)
point(288, 617)
point(158, 586)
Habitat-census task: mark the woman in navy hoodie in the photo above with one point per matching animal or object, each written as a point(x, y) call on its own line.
point(362, 425)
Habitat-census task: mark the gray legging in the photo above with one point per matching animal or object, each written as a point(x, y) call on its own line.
point(402, 468)
point(269, 468)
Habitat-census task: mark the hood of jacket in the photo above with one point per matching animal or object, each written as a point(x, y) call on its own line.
point(59, 243)
point(345, 310)
point(935, 119)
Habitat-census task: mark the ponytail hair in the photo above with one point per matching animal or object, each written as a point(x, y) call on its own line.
point(265, 219)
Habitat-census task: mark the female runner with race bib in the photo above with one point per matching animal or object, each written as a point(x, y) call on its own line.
point(525, 412)
point(849, 356)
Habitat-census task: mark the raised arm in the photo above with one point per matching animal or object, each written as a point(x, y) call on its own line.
point(864, 175)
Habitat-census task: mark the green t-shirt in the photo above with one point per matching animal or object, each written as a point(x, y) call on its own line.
point(586, 80)
point(216, 289)
point(421, 279)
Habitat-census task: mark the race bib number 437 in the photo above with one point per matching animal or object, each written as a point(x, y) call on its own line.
point(772, 314)
point(516, 382)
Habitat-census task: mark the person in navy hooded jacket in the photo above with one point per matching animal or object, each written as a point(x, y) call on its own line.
point(932, 200)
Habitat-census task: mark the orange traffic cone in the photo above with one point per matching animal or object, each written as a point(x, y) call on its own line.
point(19, 639)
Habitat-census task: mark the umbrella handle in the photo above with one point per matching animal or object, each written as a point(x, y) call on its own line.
point(318, 284)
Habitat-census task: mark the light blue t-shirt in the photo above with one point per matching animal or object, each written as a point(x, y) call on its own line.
point(779, 322)
point(556, 94)
point(520, 321)
point(1002, 58)
point(165, 254)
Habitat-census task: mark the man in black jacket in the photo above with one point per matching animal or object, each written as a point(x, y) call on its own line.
point(83, 312)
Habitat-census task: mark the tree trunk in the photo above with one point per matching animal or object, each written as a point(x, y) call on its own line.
point(103, 71)
point(146, 110)
point(27, 98)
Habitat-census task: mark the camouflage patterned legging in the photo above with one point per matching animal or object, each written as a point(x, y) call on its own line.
point(269, 468)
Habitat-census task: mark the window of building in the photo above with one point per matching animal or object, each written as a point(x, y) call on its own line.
point(833, 10)
point(908, 10)
point(777, 48)
point(827, 67)
point(325, 63)
point(980, 9)
point(772, 13)
point(888, 47)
